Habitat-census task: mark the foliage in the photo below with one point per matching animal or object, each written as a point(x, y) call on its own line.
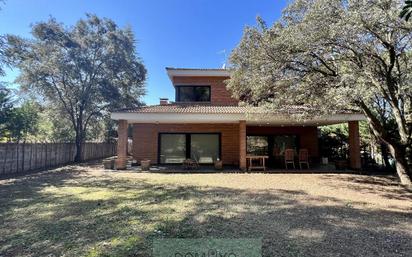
point(6, 108)
point(33, 122)
point(84, 70)
point(333, 142)
point(406, 10)
point(2, 55)
point(330, 56)
point(23, 121)
point(17, 123)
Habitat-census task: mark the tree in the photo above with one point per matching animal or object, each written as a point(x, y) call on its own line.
point(330, 55)
point(6, 108)
point(24, 121)
point(406, 10)
point(85, 70)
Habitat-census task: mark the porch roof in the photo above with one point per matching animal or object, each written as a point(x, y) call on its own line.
point(206, 113)
point(196, 72)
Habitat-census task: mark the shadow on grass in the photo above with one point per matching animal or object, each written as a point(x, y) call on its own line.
point(385, 186)
point(73, 213)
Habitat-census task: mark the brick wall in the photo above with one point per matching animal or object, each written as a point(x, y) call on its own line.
point(219, 94)
point(145, 139)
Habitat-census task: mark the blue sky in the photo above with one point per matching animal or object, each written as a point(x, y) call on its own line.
point(175, 33)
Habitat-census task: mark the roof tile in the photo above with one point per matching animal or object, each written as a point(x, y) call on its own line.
point(212, 109)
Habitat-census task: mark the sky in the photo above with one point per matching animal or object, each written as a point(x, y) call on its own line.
point(169, 33)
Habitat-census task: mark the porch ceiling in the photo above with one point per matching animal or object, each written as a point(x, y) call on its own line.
point(255, 119)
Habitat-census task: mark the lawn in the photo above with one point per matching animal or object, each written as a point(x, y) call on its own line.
point(86, 211)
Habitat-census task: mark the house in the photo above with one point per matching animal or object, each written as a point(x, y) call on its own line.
point(205, 123)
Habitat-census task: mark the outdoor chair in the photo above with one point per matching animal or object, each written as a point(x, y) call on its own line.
point(191, 164)
point(303, 158)
point(289, 157)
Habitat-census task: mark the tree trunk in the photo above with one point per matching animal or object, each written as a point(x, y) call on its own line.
point(402, 168)
point(385, 156)
point(397, 150)
point(79, 146)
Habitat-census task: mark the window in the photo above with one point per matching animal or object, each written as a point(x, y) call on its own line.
point(202, 147)
point(193, 93)
point(173, 148)
point(257, 145)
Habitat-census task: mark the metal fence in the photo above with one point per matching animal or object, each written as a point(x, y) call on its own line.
point(18, 158)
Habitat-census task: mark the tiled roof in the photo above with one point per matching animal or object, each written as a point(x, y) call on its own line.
point(185, 108)
point(213, 109)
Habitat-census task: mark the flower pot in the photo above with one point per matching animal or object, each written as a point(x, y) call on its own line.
point(218, 165)
point(145, 165)
point(108, 164)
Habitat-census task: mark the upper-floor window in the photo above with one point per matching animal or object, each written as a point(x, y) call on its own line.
point(192, 93)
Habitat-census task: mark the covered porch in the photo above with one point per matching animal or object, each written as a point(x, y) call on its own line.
point(267, 147)
point(236, 136)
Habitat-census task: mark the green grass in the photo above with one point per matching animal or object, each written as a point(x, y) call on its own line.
point(82, 211)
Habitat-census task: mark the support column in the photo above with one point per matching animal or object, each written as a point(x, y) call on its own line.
point(242, 145)
point(122, 137)
point(354, 145)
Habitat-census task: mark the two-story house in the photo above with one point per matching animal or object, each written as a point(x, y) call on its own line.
point(205, 123)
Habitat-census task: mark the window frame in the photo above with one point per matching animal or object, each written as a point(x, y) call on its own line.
point(188, 144)
point(177, 93)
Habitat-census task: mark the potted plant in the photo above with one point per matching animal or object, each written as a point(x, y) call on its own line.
point(145, 165)
point(218, 164)
point(108, 163)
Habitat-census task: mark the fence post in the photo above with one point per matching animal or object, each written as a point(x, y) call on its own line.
point(22, 157)
point(31, 155)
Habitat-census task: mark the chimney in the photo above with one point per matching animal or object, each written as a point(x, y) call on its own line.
point(164, 101)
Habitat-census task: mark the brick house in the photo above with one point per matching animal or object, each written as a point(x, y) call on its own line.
point(205, 123)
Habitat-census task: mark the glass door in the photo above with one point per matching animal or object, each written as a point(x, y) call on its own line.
point(172, 148)
point(204, 148)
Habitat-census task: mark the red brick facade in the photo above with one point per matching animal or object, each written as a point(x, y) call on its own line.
point(233, 135)
point(242, 145)
point(145, 138)
point(219, 94)
point(354, 145)
point(122, 145)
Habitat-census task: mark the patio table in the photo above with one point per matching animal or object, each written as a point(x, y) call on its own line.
point(259, 164)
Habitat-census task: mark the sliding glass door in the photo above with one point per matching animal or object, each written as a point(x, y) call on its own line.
point(202, 147)
point(172, 148)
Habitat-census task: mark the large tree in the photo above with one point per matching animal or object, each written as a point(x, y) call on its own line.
point(330, 55)
point(85, 70)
